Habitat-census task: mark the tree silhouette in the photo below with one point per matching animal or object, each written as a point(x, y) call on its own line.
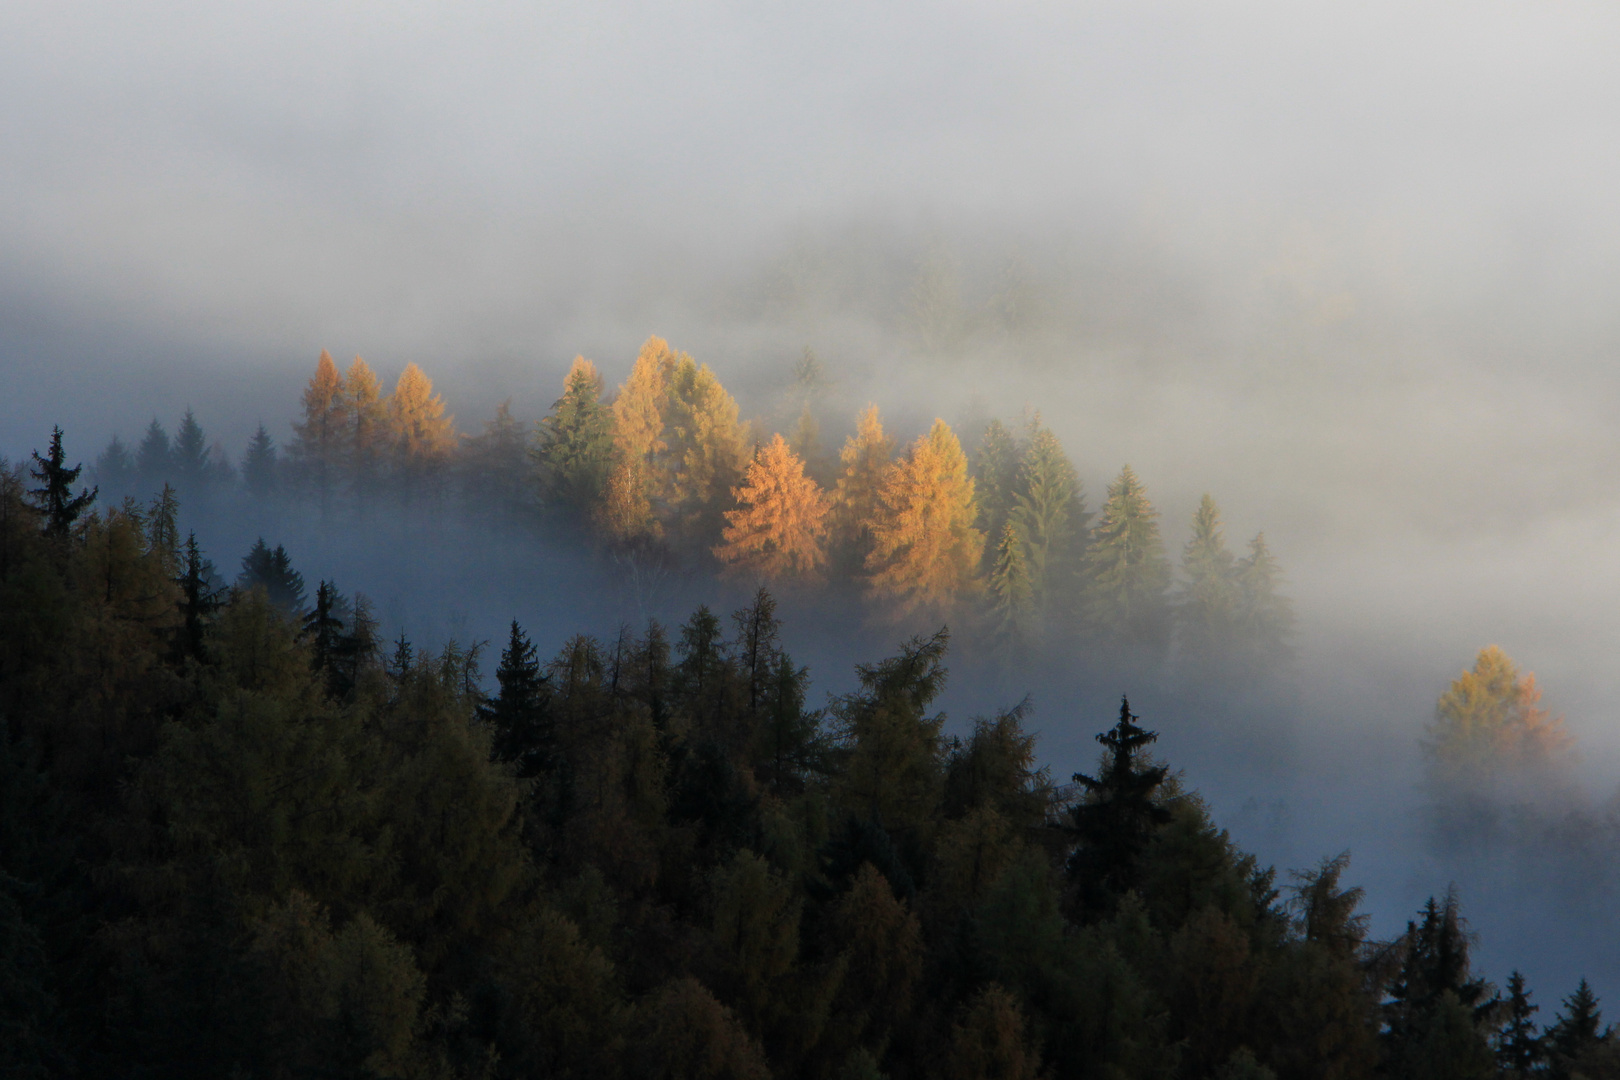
point(259, 465)
point(54, 498)
point(1113, 825)
point(273, 572)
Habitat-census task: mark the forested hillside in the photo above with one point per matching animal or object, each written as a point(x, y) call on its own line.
point(664, 477)
point(240, 835)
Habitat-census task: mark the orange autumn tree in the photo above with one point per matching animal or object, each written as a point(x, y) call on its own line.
point(423, 435)
point(318, 439)
point(924, 546)
point(639, 411)
point(780, 524)
point(1489, 720)
point(865, 460)
point(365, 416)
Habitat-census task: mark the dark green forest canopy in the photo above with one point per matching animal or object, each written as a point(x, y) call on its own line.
point(241, 836)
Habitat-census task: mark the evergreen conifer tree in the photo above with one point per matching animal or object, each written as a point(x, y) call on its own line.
point(1520, 1048)
point(575, 449)
point(1206, 606)
point(318, 439)
point(1113, 825)
point(259, 465)
point(323, 629)
point(1265, 617)
point(115, 469)
point(925, 550)
point(708, 449)
point(190, 456)
point(995, 476)
point(1434, 987)
point(200, 598)
point(495, 467)
point(154, 457)
point(1576, 1032)
point(54, 498)
point(1012, 598)
point(519, 715)
point(1051, 512)
point(273, 572)
point(779, 526)
point(1127, 573)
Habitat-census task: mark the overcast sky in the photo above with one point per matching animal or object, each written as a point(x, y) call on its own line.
point(1351, 267)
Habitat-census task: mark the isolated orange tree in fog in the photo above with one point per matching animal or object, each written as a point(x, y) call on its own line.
point(1488, 720)
point(778, 528)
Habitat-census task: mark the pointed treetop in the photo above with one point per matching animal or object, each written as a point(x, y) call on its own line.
point(54, 498)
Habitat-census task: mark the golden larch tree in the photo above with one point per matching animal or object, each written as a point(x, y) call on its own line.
point(423, 436)
point(924, 546)
point(365, 418)
point(640, 408)
point(780, 525)
point(319, 437)
point(865, 459)
point(1489, 720)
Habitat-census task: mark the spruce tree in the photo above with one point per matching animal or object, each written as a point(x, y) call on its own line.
point(200, 598)
point(1435, 981)
point(495, 467)
point(995, 477)
point(1265, 617)
point(1206, 604)
point(154, 457)
point(1127, 573)
point(273, 572)
point(1113, 825)
point(1051, 512)
point(709, 448)
point(1576, 1032)
point(323, 629)
point(259, 465)
point(114, 469)
point(190, 455)
point(1520, 1048)
point(54, 498)
point(519, 714)
point(1012, 598)
point(574, 453)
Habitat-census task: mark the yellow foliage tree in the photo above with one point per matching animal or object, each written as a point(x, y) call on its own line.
point(1489, 719)
point(924, 546)
point(365, 418)
point(423, 435)
point(318, 438)
point(624, 516)
point(778, 528)
point(865, 460)
point(639, 410)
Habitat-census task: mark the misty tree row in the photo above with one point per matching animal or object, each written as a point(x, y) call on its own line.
point(238, 840)
point(665, 474)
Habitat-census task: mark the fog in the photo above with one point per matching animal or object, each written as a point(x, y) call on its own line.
point(1352, 271)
